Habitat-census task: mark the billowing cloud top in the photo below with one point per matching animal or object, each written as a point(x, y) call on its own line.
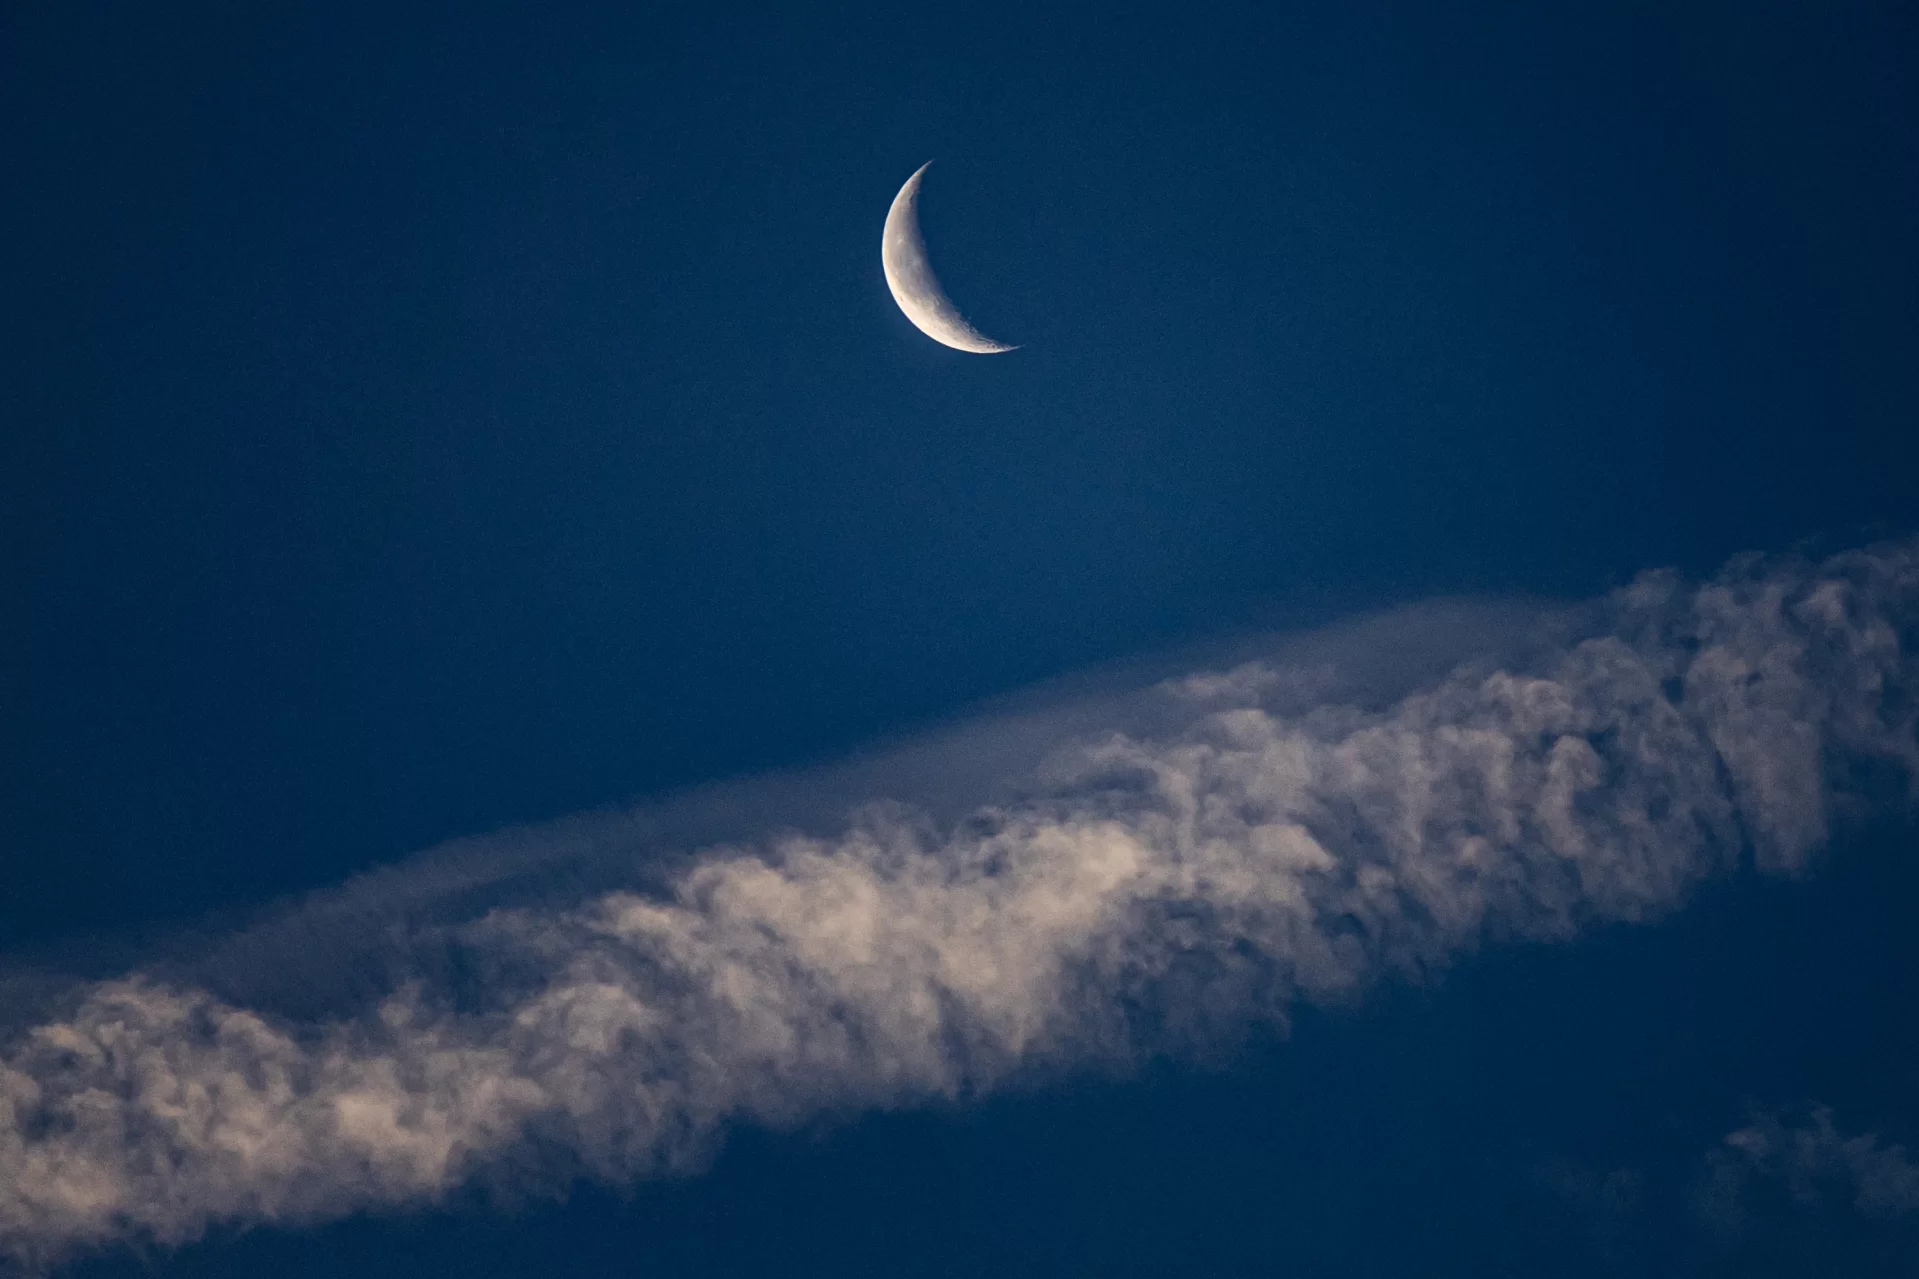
point(1168, 865)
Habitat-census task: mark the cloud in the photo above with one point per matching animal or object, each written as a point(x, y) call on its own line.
point(1129, 869)
point(1788, 1192)
point(1816, 1164)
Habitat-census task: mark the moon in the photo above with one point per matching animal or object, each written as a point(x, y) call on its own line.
point(915, 287)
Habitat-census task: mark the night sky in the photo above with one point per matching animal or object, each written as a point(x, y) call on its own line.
point(421, 420)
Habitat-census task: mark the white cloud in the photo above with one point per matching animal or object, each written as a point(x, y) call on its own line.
point(1116, 873)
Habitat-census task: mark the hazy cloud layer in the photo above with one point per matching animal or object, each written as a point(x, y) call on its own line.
point(1163, 867)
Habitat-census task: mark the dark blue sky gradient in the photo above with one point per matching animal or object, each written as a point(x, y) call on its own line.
point(417, 418)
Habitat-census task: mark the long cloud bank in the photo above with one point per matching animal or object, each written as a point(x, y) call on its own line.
point(1189, 858)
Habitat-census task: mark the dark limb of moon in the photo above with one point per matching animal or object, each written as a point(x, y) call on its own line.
point(915, 287)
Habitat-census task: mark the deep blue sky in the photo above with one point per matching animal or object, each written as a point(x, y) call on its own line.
point(418, 418)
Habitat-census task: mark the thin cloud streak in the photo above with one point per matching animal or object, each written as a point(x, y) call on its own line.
point(1178, 862)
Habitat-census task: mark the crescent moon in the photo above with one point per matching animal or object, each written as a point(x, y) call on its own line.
point(915, 287)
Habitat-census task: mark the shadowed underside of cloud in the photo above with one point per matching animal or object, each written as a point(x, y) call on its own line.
point(1179, 861)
